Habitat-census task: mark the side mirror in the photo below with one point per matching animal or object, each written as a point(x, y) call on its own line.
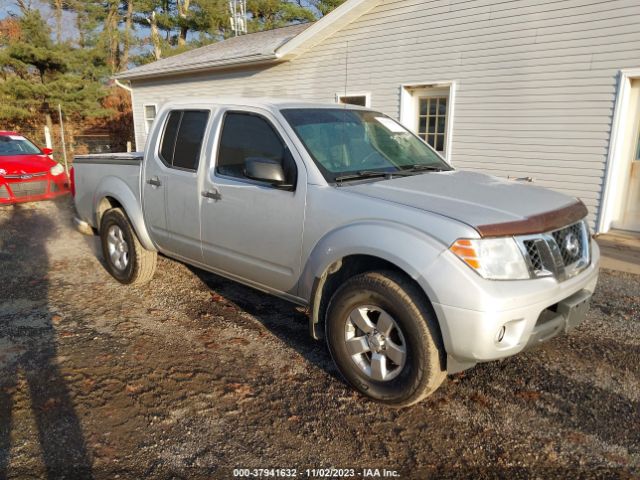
point(266, 170)
point(46, 151)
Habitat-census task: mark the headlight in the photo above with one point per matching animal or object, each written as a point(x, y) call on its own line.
point(492, 258)
point(56, 170)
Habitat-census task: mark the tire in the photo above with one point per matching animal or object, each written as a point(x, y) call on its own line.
point(132, 263)
point(371, 298)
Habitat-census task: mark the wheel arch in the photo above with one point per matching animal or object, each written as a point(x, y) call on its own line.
point(115, 193)
point(378, 246)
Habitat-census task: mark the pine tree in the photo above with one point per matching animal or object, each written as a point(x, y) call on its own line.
point(39, 74)
point(268, 14)
point(327, 6)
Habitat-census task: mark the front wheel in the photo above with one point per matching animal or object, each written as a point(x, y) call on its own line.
point(127, 260)
point(384, 338)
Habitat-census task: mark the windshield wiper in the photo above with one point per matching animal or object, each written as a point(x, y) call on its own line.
point(370, 174)
point(425, 168)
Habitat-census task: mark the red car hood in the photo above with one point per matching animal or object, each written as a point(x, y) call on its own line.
point(23, 164)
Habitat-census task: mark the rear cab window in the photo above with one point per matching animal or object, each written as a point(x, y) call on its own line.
point(181, 143)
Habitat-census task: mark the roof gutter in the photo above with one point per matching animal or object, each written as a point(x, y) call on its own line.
point(122, 85)
point(205, 66)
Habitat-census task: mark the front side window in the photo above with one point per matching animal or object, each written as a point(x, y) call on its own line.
point(343, 142)
point(245, 136)
point(182, 138)
point(17, 145)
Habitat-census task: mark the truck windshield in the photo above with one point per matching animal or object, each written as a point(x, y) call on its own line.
point(17, 145)
point(352, 144)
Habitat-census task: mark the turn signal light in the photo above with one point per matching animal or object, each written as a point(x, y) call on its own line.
point(465, 250)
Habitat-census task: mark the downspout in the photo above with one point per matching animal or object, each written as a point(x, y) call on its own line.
point(122, 85)
point(130, 90)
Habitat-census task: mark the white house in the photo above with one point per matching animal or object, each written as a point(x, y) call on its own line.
point(547, 89)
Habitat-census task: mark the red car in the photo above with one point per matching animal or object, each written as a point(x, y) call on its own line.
point(27, 173)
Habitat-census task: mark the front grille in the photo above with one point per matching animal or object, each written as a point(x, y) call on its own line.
point(28, 189)
point(4, 193)
point(534, 255)
point(562, 253)
point(570, 243)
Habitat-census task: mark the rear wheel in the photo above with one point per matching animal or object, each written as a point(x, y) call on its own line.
point(384, 338)
point(127, 260)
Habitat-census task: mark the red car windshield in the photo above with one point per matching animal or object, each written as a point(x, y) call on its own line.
point(17, 145)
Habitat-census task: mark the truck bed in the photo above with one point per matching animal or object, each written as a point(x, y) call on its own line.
point(97, 174)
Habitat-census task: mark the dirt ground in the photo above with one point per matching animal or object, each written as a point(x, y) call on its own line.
point(192, 376)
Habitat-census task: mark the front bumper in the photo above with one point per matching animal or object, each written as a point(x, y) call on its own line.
point(37, 188)
point(507, 317)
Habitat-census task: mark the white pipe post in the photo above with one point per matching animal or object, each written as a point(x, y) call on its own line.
point(47, 137)
point(64, 145)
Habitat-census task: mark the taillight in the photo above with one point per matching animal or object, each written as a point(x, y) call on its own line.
point(72, 181)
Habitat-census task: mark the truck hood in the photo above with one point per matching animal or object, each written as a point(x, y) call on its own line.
point(479, 200)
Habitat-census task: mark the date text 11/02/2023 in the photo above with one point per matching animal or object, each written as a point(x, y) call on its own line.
point(365, 473)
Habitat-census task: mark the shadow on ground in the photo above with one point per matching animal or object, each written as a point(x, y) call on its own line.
point(28, 349)
point(285, 320)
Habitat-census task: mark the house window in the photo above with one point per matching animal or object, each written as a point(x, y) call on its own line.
point(149, 116)
point(432, 121)
point(427, 109)
point(362, 100)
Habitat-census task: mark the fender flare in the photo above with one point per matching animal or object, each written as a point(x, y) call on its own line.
point(117, 189)
point(409, 249)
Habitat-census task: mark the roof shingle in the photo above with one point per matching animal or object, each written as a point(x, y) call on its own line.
point(254, 47)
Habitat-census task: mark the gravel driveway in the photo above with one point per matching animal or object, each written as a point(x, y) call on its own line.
point(192, 376)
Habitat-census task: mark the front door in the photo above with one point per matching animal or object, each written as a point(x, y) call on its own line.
point(252, 230)
point(171, 189)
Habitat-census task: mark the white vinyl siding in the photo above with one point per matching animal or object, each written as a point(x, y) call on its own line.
point(536, 79)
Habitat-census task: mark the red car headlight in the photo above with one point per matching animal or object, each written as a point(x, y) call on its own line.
point(56, 170)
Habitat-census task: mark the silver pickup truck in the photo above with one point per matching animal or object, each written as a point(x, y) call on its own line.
point(410, 268)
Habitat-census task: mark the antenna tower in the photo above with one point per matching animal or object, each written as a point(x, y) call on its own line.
point(238, 19)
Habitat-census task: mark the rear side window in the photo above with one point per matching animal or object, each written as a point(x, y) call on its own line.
point(182, 138)
point(169, 137)
point(244, 136)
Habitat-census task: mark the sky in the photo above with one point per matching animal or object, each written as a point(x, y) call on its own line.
point(10, 7)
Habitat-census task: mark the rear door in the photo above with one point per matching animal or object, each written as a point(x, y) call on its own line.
point(171, 184)
point(250, 229)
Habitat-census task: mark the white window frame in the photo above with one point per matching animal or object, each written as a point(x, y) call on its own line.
point(616, 171)
point(144, 115)
point(410, 94)
point(366, 95)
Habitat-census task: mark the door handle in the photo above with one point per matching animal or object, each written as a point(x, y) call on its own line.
point(213, 194)
point(154, 181)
